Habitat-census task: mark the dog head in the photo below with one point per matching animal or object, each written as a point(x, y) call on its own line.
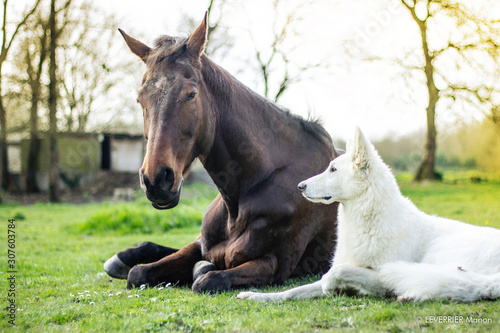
point(346, 177)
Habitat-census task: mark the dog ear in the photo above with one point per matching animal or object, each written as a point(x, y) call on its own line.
point(361, 151)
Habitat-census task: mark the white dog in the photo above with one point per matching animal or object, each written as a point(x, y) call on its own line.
point(386, 246)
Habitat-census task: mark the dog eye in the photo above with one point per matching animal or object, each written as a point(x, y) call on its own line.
point(191, 96)
point(332, 169)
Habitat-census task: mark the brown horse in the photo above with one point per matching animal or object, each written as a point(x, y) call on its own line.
point(258, 230)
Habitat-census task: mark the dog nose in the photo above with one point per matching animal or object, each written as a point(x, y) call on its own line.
point(302, 186)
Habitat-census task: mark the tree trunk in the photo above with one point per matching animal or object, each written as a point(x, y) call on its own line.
point(35, 83)
point(4, 157)
point(32, 167)
point(54, 153)
point(4, 182)
point(426, 169)
point(3, 147)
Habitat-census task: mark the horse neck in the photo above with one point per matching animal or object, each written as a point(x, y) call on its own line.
point(244, 129)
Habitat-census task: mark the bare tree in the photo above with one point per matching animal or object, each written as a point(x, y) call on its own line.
point(34, 58)
point(53, 94)
point(276, 67)
point(82, 72)
point(85, 71)
point(55, 31)
point(219, 39)
point(6, 45)
point(473, 47)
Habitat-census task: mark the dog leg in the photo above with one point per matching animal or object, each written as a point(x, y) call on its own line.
point(364, 280)
point(311, 290)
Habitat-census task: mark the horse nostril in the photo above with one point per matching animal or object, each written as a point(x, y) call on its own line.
point(302, 186)
point(165, 179)
point(144, 179)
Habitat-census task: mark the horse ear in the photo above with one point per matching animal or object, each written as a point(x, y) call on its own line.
point(361, 151)
point(196, 42)
point(138, 48)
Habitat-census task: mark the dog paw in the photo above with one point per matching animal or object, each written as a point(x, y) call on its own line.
point(405, 299)
point(245, 295)
point(330, 284)
point(257, 297)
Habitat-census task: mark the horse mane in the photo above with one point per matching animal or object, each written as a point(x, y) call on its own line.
point(225, 82)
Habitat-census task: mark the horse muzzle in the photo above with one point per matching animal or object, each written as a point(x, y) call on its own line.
point(159, 191)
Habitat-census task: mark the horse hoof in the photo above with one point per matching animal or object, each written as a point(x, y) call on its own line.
point(212, 283)
point(141, 277)
point(116, 268)
point(202, 267)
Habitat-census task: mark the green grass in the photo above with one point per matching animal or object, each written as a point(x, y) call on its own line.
point(61, 248)
point(123, 218)
point(462, 200)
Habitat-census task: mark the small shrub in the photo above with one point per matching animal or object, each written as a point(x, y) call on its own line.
point(19, 216)
point(126, 219)
point(140, 217)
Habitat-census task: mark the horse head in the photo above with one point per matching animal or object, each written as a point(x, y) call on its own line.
point(178, 114)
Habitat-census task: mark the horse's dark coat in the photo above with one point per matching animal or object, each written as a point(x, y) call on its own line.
point(258, 230)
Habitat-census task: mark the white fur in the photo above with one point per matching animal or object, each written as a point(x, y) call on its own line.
point(387, 246)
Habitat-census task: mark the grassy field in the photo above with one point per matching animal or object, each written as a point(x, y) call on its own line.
point(60, 285)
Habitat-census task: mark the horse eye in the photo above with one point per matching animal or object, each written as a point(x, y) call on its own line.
point(191, 96)
point(333, 169)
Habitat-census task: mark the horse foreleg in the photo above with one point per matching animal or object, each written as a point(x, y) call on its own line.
point(119, 265)
point(175, 268)
point(256, 272)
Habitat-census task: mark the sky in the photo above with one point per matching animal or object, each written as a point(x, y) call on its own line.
point(349, 92)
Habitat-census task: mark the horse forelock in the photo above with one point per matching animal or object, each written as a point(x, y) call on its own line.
point(168, 49)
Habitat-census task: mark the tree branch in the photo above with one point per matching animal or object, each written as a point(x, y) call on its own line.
point(5, 49)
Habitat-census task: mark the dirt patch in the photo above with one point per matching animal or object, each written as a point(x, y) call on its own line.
point(100, 188)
